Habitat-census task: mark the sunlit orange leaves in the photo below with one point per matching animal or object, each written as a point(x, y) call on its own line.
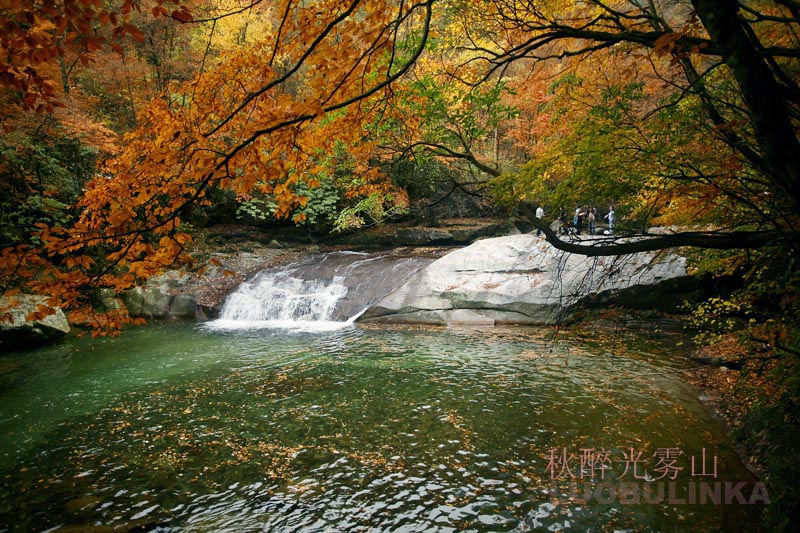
point(262, 112)
point(38, 35)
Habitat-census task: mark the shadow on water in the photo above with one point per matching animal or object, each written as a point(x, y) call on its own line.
point(181, 428)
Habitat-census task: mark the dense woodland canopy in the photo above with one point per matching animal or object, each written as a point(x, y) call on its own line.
point(129, 123)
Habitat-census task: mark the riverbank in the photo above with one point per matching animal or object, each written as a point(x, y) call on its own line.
point(753, 388)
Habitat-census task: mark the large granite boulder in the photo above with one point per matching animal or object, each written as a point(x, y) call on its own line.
point(518, 279)
point(162, 297)
point(16, 331)
point(148, 301)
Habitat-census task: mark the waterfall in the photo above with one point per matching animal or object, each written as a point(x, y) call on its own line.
point(326, 292)
point(283, 297)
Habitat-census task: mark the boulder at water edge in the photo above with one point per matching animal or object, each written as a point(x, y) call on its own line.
point(519, 279)
point(18, 332)
point(162, 297)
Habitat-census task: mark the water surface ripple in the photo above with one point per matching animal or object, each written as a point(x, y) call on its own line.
point(177, 428)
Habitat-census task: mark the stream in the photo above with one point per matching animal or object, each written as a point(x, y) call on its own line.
point(184, 428)
point(266, 422)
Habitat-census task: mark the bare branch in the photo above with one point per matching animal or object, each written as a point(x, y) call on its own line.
point(648, 242)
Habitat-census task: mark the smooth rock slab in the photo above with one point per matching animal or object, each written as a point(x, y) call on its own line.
point(519, 279)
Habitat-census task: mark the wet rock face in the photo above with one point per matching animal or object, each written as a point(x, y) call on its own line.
point(368, 277)
point(148, 302)
point(336, 286)
point(518, 279)
point(199, 294)
point(162, 297)
point(18, 332)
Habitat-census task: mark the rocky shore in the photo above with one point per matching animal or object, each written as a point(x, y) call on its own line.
point(487, 279)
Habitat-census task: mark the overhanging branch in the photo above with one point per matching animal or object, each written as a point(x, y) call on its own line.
point(649, 242)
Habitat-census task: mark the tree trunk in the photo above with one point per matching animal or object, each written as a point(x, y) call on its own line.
point(769, 114)
point(62, 68)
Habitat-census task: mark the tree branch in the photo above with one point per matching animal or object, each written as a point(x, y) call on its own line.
point(648, 242)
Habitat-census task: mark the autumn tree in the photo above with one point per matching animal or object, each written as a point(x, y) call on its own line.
point(443, 135)
point(264, 121)
point(710, 55)
point(52, 135)
point(688, 111)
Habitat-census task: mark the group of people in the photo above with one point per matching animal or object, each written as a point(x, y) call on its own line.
point(585, 217)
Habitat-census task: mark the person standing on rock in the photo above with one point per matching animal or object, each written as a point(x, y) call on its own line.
point(590, 218)
point(539, 216)
point(583, 219)
point(610, 217)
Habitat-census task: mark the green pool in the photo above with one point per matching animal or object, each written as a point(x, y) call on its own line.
point(178, 427)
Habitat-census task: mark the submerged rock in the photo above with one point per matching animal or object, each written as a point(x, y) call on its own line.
point(16, 331)
point(519, 279)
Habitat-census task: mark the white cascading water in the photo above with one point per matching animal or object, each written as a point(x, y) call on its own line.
point(283, 297)
point(324, 294)
point(283, 301)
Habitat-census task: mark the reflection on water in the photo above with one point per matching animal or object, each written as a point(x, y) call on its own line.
point(178, 428)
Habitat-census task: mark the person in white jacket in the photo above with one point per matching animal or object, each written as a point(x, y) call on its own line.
point(610, 217)
point(539, 217)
